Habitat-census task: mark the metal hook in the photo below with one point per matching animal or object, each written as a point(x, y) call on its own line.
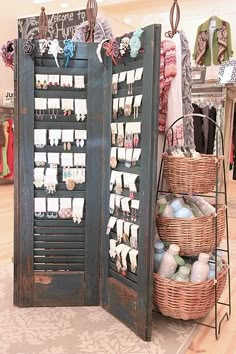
point(175, 10)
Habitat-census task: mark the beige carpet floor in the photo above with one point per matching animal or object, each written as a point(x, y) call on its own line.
point(76, 330)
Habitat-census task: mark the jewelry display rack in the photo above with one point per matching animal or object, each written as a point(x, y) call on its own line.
point(219, 192)
point(59, 262)
point(58, 259)
point(128, 296)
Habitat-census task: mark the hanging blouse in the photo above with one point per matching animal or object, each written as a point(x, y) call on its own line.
point(167, 73)
point(219, 50)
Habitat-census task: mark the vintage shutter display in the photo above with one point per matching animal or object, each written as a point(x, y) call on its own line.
point(62, 248)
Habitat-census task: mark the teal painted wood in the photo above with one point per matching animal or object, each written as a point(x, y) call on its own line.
point(63, 244)
point(23, 169)
point(94, 177)
point(131, 302)
point(85, 249)
point(71, 286)
point(148, 178)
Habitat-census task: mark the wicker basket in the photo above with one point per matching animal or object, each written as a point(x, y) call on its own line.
point(193, 236)
point(187, 301)
point(188, 175)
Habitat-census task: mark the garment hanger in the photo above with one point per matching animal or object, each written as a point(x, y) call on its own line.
point(174, 19)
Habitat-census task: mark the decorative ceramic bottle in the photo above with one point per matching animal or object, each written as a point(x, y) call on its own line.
point(182, 274)
point(158, 255)
point(168, 264)
point(200, 269)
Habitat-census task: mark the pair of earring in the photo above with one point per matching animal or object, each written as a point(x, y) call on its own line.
point(67, 146)
point(40, 114)
point(130, 89)
point(80, 143)
point(54, 142)
point(53, 113)
point(66, 85)
point(40, 163)
point(114, 114)
point(40, 146)
point(128, 141)
point(50, 188)
point(121, 111)
point(53, 83)
point(39, 215)
point(52, 215)
point(67, 112)
point(38, 183)
point(136, 140)
point(66, 172)
point(120, 140)
point(128, 164)
point(40, 85)
point(128, 110)
point(133, 215)
point(114, 88)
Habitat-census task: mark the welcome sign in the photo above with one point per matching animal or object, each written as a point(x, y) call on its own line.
point(60, 25)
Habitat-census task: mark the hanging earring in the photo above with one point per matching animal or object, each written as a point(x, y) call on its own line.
point(50, 112)
point(55, 113)
point(45, 85)
point(64, 173)
point(114, 115)
point(39, 114)
point(38, 85)
point(128, 110)
point(114, 88)
point(135, 215)
point(113, 138)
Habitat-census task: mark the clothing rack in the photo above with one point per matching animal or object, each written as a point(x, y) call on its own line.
point(208, 91)
point(206, 94)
